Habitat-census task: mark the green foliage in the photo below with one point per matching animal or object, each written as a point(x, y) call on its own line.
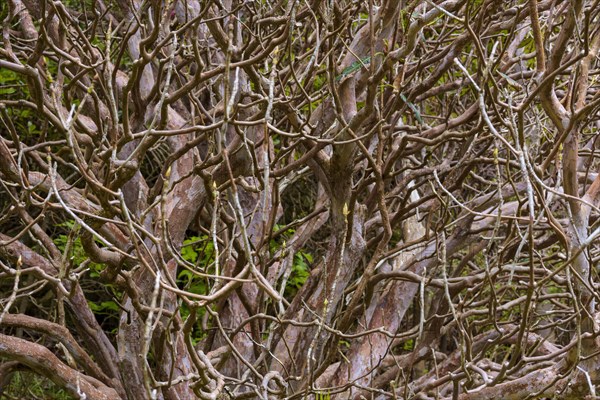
point(28, 124)
point(300, 264)
point(413, 108)
point(195, 246)
point(300, 273)
point(408, 345)
point(104, 306)
point(198, 250)
point(355, 66)
point(3, 10)
point(192, 283)
point(28, 385)
point(75, 254)
point(13, 87)
point(319, 81)
point(71, 244)
point(10, 81)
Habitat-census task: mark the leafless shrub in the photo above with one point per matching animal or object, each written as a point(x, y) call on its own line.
point(301, 199)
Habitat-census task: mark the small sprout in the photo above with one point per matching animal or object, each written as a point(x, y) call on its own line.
point(275, 56)
point(215, 191)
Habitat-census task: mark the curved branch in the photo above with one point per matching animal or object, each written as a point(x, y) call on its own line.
point(44, 362)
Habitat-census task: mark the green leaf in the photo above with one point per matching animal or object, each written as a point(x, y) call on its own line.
point(7, 90)
point(189, 254)
point(413, 108)
point(300, 273)
point(104, 306)
point(510, 80)
point(185, 274)
point(189, 249)
point(355, 66)
point(308, 257)
point(7, 75)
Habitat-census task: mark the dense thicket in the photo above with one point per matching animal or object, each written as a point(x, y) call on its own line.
point(300, 198)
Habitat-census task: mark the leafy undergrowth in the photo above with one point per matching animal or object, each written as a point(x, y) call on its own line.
point(28, 385)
